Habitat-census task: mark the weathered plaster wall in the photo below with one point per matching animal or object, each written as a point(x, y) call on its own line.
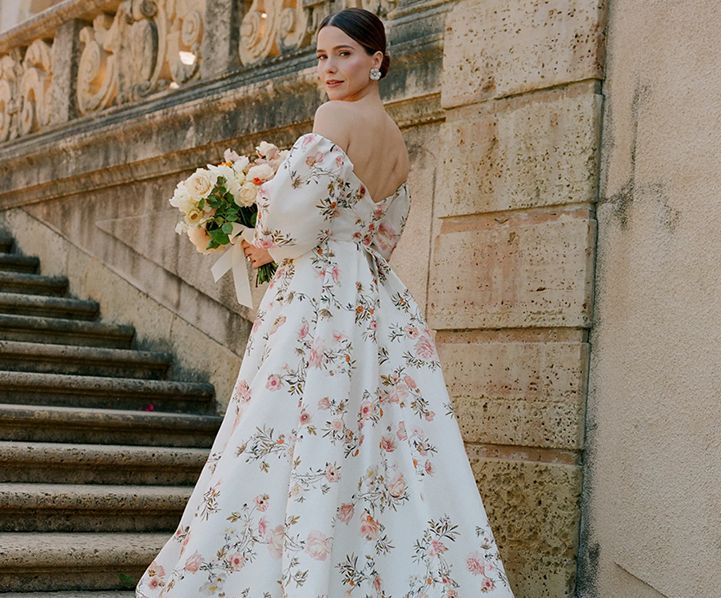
point(653, 479)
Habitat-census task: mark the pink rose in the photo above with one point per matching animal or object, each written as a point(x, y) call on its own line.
point(314, 359)
point(387, 444)
point(194, 562)
point(424, 348)
point(345, 512)
point(273, 382)
point(430, 415)
point(275, 541)
point(377, 583)
point(324, 403)
point(318, 545)
point(303, 330)
point(429, 468)
point(335, 273)
point(369, 527)
point(241, 391)
point(474, 564)
point(487, 584)
point(262, 527)
point(331, 473)
point(236, 561)
point(437, 547)
point(337, 424)
point(304, 418)
point(412, 331)
point(401, 433)
point(365, 409)
point(410, 382)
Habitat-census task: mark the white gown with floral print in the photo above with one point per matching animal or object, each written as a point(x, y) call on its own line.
point(339, 469)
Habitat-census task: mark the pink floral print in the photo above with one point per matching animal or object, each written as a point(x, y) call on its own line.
point(339, 470)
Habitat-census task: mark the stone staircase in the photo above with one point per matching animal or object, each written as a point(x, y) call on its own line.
point(98, 450)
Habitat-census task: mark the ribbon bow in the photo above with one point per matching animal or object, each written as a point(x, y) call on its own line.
point(234, 259)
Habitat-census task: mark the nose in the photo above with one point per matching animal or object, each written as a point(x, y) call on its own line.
point(329, 65)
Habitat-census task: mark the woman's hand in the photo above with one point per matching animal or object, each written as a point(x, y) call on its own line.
point(258, 256)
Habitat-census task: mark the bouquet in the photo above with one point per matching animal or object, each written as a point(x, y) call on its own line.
point(218, 204)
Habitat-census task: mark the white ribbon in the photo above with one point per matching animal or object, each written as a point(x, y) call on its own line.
point(234, 259)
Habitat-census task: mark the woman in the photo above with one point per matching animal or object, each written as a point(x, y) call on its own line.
point(339, 469)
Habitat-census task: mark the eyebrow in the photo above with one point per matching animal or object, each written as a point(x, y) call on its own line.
point(335, 48)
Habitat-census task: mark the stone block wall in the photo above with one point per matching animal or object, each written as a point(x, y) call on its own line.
point(511, 279)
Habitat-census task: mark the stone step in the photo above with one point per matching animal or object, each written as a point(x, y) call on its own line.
point(7, 243)
point(76, 561)
point(59, 463)
point(34, 284)
point(90, 507)
point(51, 307)
point(33, 388)
point(14, 262)
point(63, 331)
point(107, 426)
point(74, 359)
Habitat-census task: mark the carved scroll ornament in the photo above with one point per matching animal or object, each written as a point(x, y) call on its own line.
point(145, 47)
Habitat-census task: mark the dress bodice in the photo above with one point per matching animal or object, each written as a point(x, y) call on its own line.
point(316, 197)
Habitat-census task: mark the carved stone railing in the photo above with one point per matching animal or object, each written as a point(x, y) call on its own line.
point(85, 56)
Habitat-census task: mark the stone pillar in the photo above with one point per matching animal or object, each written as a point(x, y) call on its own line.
point(219, 50)
point(65, 57)
point(512, 268)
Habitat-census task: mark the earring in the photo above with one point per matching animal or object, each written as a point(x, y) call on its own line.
point(375, 74)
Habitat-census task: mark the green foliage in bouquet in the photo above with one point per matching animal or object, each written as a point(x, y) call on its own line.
point(227, 212)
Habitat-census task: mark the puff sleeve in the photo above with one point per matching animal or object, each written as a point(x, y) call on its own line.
point(295, 207)
point(391, 225)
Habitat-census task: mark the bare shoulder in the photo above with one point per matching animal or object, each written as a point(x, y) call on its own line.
point(330, 120)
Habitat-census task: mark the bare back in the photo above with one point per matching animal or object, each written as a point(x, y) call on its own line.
point(375, 146)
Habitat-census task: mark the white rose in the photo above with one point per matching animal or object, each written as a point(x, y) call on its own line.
point(181, 228)
point(267, 150)
point(193, 216)
point(230, 156)
point(260, 173)
point(247, 194)
point(234, 184)
point(182, 199)
point(200, 183)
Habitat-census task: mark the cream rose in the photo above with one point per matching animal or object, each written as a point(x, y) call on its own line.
point(267, 150)
point(192, 217)
point(200, 183)
point(199, 237)
point(182, 199)
point(260, 173)
point(246, 195)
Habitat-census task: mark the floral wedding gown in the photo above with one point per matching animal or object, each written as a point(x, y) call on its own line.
point(339, 469)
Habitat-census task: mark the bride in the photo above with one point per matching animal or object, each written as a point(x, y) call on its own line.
point(339, 469)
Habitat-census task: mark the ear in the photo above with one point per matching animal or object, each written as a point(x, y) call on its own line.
point(378, 59)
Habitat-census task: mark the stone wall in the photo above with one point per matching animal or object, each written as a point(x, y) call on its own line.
point(653, 477)
point(512, 269)
point(105, 105)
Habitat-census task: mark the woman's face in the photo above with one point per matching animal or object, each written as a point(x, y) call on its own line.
point(343, 64)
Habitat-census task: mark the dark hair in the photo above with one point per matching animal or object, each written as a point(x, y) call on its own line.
point(365, 28)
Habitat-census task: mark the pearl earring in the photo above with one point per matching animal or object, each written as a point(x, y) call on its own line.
point(375, 74)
